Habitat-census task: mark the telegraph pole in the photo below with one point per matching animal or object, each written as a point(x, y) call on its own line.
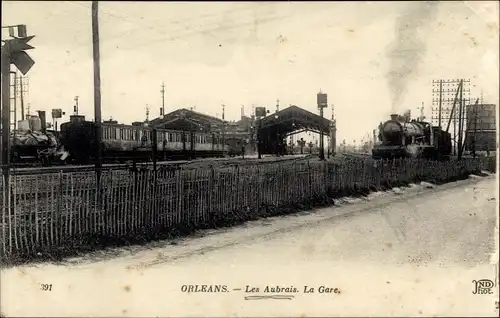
point(14, 125)
point(22, 97)
point(333, 133)
point(444, 99)
point(97, 89)
point(76, 105)
point(223, 128)
point(259, 112)
point(475, 130)
point(162, 99)
point(322, 103)
point(460, 124)
point(440, 101)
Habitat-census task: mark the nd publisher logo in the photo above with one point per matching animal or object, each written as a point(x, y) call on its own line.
point(483, 286)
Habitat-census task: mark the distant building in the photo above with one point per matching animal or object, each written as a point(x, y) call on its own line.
point(481, 128)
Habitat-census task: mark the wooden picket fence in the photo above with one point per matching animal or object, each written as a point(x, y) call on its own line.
point(65, 212)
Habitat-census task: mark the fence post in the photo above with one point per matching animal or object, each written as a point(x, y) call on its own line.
point(108, 206)
point(327, 178)
point(5, 212)
point(309, 178)
point(213, 197)
point(59, 207)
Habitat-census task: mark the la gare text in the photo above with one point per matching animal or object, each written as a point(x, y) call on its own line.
point(254, 289)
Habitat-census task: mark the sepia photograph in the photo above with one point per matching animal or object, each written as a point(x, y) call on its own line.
point(249, 159)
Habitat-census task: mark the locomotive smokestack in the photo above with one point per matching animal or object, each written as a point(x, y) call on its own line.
point(394, 116)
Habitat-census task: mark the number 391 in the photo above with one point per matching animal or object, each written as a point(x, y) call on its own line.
point(46, 287)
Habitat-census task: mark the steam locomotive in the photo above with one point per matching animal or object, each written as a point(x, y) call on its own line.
point(32, 143)
point(29, 146)
point(400, 138)
point(120, 143)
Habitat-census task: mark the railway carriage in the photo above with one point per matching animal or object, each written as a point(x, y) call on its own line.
point(137, 142)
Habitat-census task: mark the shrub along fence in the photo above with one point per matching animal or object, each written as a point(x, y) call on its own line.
point(61, 213)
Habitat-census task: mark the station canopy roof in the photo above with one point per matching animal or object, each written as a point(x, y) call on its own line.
point(294, 118)
point(185, 119)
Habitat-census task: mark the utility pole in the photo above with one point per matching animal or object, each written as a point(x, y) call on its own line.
point(259, 113)
point(76, 105)
point(22, 97)
point(333, 133)
point(97, 89)
point(322, 103)
point(475, 131)
point(460, 124)
point(14, 99)
point(422, 117)
point(223, 128)
point(162, 112)
point(440, 101)
point(444, 99)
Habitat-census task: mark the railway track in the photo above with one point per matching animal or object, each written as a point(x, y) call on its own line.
point(124, 166)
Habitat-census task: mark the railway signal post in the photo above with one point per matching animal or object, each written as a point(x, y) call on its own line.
point(13, 52)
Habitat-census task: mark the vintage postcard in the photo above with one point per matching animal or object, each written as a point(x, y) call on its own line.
point(249, 159)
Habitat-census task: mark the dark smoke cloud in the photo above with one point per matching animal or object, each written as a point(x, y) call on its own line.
point(406, 51)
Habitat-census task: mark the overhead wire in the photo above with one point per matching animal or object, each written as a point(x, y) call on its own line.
point(170, 36)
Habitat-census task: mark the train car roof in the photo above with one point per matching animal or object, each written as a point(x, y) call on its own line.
point(127, 126)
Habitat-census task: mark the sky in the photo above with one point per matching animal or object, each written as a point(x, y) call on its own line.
point(371, 58)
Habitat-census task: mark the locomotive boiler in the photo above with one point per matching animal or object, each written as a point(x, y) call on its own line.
point(400, 138)
point(33, 144)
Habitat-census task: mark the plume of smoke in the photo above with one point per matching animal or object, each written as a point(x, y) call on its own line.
point(406, 51)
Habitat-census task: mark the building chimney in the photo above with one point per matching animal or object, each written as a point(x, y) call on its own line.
point(394, 116)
